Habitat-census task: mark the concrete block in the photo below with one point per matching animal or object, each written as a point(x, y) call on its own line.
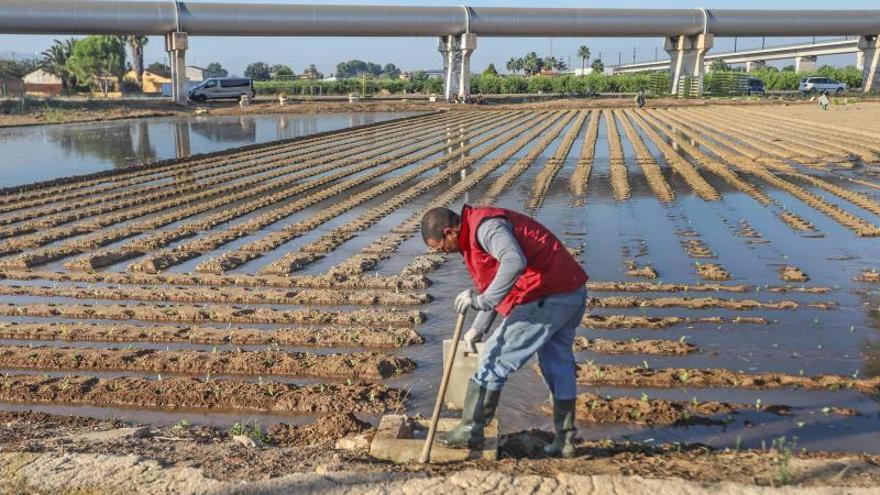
point(354, 443)
point(400, 439)
point(463, 369)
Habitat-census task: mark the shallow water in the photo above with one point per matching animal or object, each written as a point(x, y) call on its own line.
point(812, 341)
point(38, 153)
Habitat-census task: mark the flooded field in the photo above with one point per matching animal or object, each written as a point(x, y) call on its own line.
point(41, 153)
point(732, 251)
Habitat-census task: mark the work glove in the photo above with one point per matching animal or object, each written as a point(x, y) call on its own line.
point(465, 300)
point(470, 339)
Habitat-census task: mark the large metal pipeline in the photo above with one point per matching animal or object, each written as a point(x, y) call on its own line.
point(154, 17)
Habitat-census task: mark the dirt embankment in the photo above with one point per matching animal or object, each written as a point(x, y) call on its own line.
point(624, 376)
point(232, 314)
point(594, 409)
point(322, 433)
point(243, 280)
point(195, 393)
point(369, 366)
point(232, 295)
point(618, 322)
point(634, 346)
point(327, 336)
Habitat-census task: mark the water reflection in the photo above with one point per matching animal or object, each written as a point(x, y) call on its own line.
point(45, 152)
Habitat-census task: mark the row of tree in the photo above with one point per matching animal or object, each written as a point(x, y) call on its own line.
point(531, 64)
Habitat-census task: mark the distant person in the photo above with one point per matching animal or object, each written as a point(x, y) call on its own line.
point(823, 100)
point(245, 101)
point(640, 99)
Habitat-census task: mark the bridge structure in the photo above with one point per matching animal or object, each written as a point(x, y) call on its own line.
point(689, 33)
point(804, 55)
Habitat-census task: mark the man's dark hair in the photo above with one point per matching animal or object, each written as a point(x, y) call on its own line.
point(436, 220)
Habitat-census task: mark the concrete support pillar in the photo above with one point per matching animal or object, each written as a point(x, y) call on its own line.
point(456, 50)
point(869, 53)
point(176, 44)
point(688, 57)
point(805, 64)
point(755, 65)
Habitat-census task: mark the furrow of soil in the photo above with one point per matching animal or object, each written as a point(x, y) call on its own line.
point(243, 280)
point(182, 252)
point(633, 269)
point(96, 204)
point(616, 160)
point(716, 167)
point(233, 295)
point(869, 276)
point(635, 346)
point(373, 337)
point(506, 179)
point(646, 160)
point(361, 262)
point(554, 164)
point(712, 271)
point(386, 246)
point(626, 322)
point(207, 394)
point(593, 409)
point(687, 302)
point(362, 365)
point(78, 186)
point(260, 197)
point(677, 162)
point(844, 130)
point(211, 313)
point(628, 376)
point(791, 273)
point(580, 177)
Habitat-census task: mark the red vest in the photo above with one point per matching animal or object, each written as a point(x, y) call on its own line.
point(550, 268)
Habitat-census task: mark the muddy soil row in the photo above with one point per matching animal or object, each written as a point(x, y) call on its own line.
point(861, 226)
point(224, 295)
point(790, 273)
point(77, 187)
point(373, 337)
point(635, 346)
point(386, 246)
point(123, 197)
point(580, 177)
point(676, 162)
point(633, 269)
point(626, 322)
point(869, 276)
point(361, 262)
point(712, 271)
point(643, 156)
point(593, 409)
point(616, 160)
point(668, 287)
point(847, 131)
point(554, 164)
point(691, 303)
point(255, 249)
point(392, 282)
point(174, 393)
point(259, 197)
point(627, 376)
point(182, 252)
point(211, 313)
point(361, 365)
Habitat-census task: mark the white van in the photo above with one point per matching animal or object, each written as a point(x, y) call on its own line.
point(226, 87)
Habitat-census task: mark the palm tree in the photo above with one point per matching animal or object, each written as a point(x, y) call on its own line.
point(532, 63)
point(55, 61)
point(583, 53)
point(511, 65)
point(520, 64)
point(136, 43)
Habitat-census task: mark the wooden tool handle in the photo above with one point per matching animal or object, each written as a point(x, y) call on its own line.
point(447, 372)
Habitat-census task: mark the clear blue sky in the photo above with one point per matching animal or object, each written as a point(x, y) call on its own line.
point(421, 53)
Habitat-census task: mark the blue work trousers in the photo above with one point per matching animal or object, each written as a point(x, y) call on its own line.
point(546, 327)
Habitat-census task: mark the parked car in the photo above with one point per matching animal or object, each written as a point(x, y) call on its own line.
point(813, 85)
point(756, 86)
point(219, 88)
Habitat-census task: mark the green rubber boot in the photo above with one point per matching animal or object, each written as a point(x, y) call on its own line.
point(563, 423)
point(479, 409)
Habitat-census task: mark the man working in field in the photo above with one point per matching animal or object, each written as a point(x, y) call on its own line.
point(521, 270)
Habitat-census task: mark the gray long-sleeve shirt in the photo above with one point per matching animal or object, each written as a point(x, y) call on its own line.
point(495, 236)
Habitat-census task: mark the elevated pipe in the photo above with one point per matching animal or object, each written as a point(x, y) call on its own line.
point(158, 17)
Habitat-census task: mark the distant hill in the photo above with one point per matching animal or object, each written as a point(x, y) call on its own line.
point(7, 55)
